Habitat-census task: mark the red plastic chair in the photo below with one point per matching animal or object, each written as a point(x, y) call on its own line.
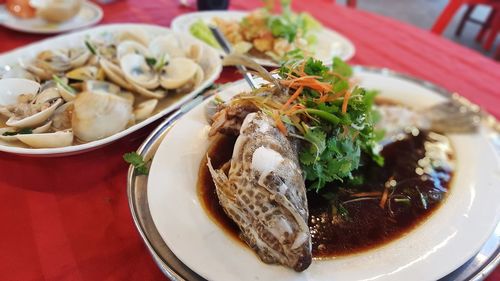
point(450, 10)
point(494, 28)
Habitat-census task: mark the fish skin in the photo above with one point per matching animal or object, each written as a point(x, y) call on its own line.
point(269, 206)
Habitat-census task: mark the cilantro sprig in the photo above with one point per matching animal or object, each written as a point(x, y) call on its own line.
point(336, 120)
point(137, 161)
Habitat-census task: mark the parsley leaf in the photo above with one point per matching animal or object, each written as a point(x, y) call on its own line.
point(136, 160)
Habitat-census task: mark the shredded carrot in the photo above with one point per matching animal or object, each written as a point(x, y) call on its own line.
point(385, 195)
point(383, 200)
point(293, 97)
point(279, 123)
point(346, 100)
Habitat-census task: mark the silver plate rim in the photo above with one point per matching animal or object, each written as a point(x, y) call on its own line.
point(476, 269)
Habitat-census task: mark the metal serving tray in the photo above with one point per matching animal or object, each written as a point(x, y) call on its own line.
point(477, 268)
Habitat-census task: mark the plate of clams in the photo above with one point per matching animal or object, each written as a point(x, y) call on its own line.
point(80, 91)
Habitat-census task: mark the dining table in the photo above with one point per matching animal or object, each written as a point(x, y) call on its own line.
point(68, 218)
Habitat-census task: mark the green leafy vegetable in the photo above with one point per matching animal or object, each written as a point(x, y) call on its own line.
point(136, 160)
point(289, 25)
point(200, 30)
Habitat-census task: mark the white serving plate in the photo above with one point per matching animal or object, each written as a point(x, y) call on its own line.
point(211, 64)
point(89, 15)
point(442, 243)
point(329, 45)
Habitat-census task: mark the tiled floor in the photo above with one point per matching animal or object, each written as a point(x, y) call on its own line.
point(423, 13)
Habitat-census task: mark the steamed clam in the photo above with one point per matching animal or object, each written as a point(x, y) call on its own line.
point(97, 115)
point(87, 92)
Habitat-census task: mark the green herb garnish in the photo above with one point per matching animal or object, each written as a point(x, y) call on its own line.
point(137, 161)
point(90, 47)
point(63, 84)
point(23, 131)
point(336, 120)
point(151, 61)
point(289, 25)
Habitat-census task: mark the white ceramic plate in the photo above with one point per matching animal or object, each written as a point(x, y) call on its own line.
point(210, 63)
point(448, 238)
point(89, 15)
point(329, 45)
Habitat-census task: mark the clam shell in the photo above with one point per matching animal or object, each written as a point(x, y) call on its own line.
point(43, 129)
point(47, 95)
point(115, 74)
point(48, 140)
point(87, 72)
point(157, 94)
point(137, 35)
point(101, 86)
point(65, 94)
point(98, 115)
point(131, 47)
point(195, 52)
point(61, 120)
point(138, 72)
point(35, 119)
point(7, 138)
point(166, 45)
point(13, 87)
point(145, 109)
point(78, 56)
point(177, 73)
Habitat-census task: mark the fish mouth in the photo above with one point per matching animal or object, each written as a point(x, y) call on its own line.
point(303, 262)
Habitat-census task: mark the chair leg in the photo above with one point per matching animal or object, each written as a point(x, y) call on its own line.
point(492, 34)
point(464, 19)
point(446, 16)
point(484, 29)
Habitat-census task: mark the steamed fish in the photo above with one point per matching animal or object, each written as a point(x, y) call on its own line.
point(264, 193)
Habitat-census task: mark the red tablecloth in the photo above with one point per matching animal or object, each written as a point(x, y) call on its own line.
point(68, 218)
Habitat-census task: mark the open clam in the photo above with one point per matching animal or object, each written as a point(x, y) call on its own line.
point(12, 88)
point(33, 120)
point(137, 71)
point(97, 115)
point(5, 137)
point(47, 140)
point(177, 73)
point(145, 109)
point(131, 47)
point(115, 74)
point(88, 72)
point(166, 44)
point(61, 120)
point(137, 35)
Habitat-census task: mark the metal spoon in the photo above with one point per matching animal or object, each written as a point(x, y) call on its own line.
point(226, 46)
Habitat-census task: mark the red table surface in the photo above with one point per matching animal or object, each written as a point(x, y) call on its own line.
point(68, 218)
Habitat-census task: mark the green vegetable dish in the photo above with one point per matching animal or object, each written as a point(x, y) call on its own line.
point(264, 34)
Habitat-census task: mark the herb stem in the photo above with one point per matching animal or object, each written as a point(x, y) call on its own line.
point(322, 114)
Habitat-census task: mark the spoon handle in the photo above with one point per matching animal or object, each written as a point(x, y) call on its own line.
point(226, 46)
